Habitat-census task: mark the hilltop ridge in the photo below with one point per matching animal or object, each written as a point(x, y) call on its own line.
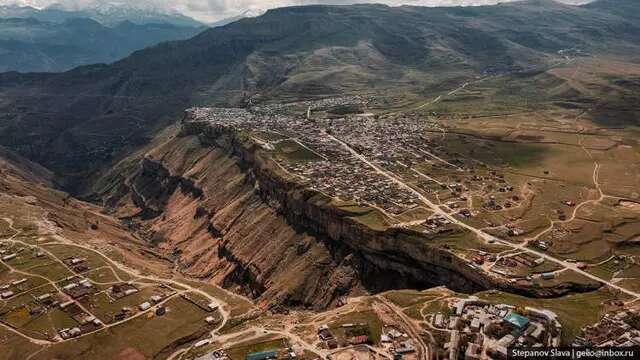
point(286, 52)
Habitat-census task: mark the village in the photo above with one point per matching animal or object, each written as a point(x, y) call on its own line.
point(464, 328)
point(355, 331)
point(481, 330)
point(53, 296)
point(311, 148)
point(396, 165)
point(349, 157)
point(620, 328)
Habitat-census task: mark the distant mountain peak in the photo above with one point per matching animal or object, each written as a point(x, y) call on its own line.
point(107, 13)
point(253, 13)
point(249, 13)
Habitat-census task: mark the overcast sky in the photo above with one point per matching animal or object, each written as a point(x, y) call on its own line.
point(210, 10)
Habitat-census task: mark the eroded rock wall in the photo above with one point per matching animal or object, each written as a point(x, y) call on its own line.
point(211, 201)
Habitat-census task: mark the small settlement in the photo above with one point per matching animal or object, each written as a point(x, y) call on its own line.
point(479, 329)
point(615, 329)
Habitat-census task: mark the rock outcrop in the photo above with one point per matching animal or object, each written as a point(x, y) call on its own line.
point(210, 198)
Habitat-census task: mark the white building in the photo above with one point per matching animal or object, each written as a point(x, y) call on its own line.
point(9, 257)
point(506, 340)
point(438, 321)
point(202, 343)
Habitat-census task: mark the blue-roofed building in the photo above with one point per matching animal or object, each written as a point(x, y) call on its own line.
point(263, 355)
point(517, 320)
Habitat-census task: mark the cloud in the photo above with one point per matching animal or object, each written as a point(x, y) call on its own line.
point(210, 10)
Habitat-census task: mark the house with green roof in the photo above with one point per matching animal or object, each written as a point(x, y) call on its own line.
point(517, 320)
point(263, 355)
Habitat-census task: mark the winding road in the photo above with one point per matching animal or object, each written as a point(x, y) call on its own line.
point(135, 274)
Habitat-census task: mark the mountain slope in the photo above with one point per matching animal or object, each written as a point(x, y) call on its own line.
point(12, 165)
point(626, 8)
point(88, 116)
point(32, 45)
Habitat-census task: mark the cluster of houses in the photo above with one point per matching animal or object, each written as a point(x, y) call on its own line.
point(38, 304)
point(74, 288)
point(86, 322)
point(393, 341)
point(78, 265)
point(615, 329)
point(355, 334)
point(478, 329)
point(351, 180)
point(397, 342)
point(120, 291)
point(10, 289)
point(405, 145)
point(327, 338)
point(334, 170)
point(521, 267)
point(541, 244)
point(77, 288)
point(436, 222)
point(12, 253)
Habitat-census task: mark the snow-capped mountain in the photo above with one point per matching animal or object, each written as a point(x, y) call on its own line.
point(58, 39)
point(253, 13)
point(108, 14)
point(250, 13)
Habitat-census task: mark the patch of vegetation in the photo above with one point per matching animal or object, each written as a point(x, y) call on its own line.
point(463, 240)
point(14, 346)
point(438, 306)
point(145, 335)
point(366, 317)
point(607, 269)
point(239, 305)
point(373, 219)
point(406, 298)
point(294, 152)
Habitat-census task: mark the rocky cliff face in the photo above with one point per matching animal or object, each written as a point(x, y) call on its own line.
point(201, 208)
point(210, 200)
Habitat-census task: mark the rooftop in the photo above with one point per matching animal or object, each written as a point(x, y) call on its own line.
point(517, 320)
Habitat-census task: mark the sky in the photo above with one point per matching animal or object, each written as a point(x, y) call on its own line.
point(212, 10)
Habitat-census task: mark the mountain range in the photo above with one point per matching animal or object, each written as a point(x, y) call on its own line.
point(76, 121)
point(55, 39)
point(107, 14)
point(28, 44)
